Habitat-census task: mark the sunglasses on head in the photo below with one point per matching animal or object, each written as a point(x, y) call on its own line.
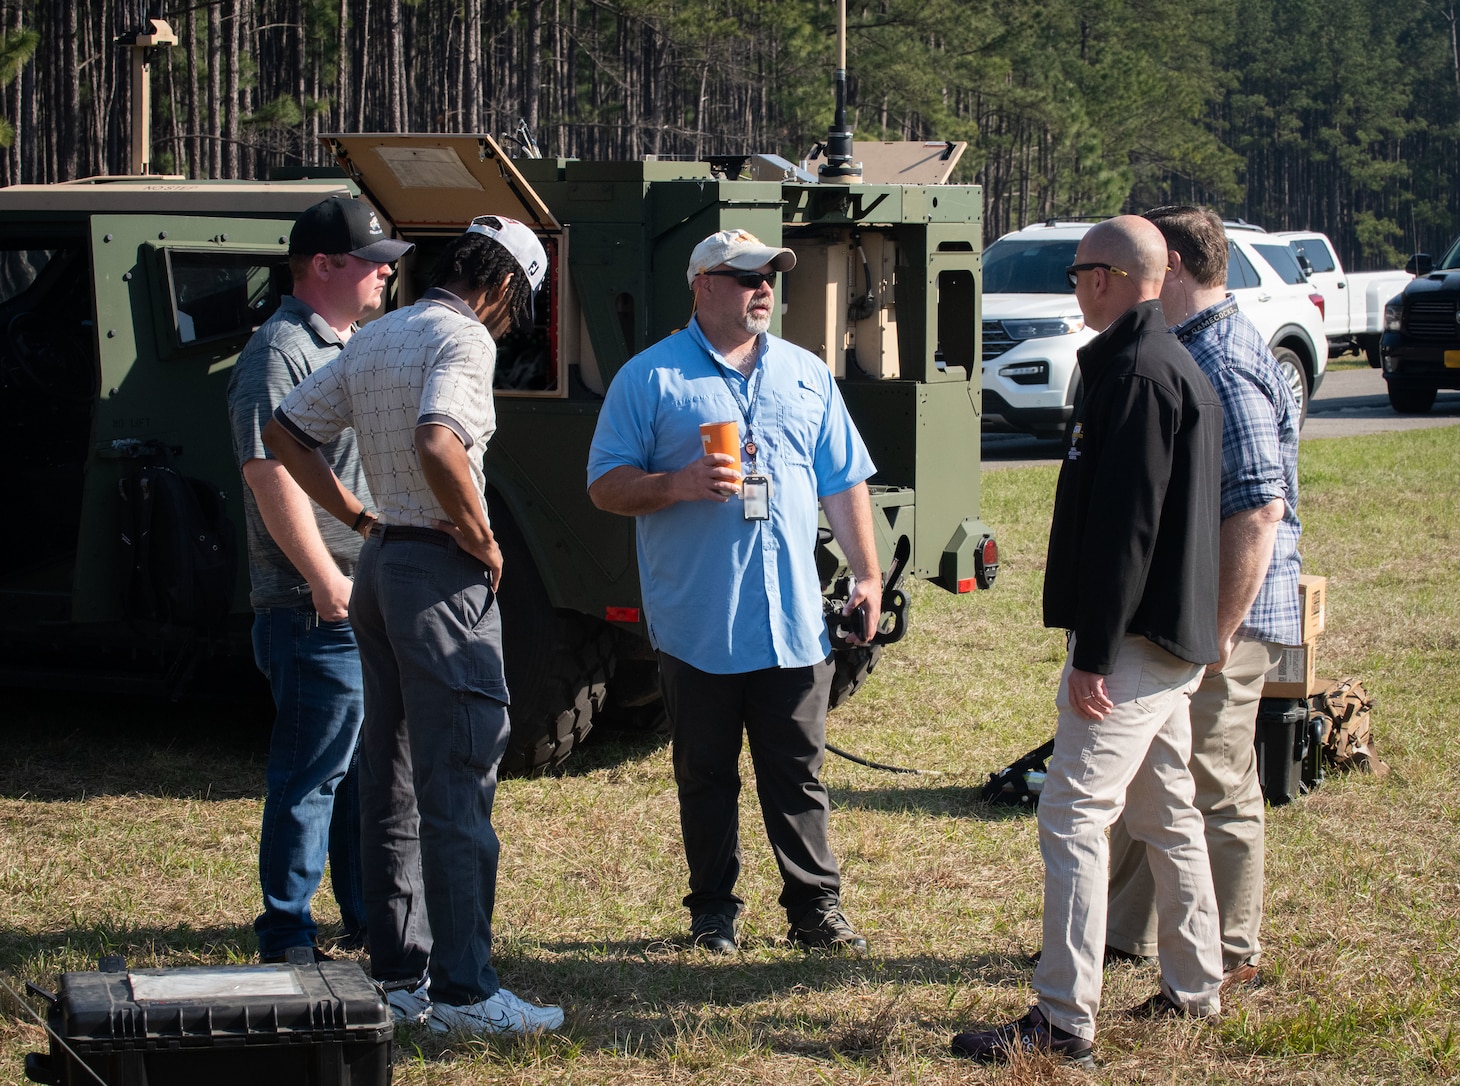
point(1072, 273)
point(748, 279)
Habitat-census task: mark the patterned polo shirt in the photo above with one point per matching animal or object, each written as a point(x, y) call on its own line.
point(430, 362)
point(1259, 451)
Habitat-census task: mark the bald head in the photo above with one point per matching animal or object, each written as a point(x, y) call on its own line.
point(1135, 251)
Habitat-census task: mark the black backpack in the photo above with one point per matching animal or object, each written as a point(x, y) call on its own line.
point(1019, 783)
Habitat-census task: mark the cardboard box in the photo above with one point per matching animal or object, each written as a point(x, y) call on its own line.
point(1293, 675)
point(1312, 603)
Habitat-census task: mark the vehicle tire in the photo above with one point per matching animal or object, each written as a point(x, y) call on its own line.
point(852, 665)
point(1411, 401)
point(1370, 346)
point(1292, 369)
point(558, 663)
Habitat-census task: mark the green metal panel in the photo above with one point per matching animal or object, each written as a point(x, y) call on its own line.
point(152, 394)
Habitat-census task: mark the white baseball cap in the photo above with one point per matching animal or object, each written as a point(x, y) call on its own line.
point(517, 239)
point(738, 249)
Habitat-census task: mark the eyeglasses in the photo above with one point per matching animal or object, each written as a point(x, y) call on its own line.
point(1072, 273)
point(748, 280)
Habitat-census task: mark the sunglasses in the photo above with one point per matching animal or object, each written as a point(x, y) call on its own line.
point(1072, 273)
point(748, 280)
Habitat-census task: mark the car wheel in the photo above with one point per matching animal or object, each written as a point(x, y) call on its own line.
point(1297, 380)
point(1370, 346)
point(1411, 401)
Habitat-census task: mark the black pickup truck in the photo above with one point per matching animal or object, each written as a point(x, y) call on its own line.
point(1421, 344)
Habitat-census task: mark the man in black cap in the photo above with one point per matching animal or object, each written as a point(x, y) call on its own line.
point(301, 564)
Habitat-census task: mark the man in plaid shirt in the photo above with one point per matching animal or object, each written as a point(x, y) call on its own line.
point(1257, 607)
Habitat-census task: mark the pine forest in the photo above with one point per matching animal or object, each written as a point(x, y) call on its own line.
point(1342, 116)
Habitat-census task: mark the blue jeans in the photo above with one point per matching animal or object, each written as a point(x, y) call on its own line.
point(436, 726)
point(311, 807)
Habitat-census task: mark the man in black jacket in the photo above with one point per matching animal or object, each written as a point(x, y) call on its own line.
point(1132, 575)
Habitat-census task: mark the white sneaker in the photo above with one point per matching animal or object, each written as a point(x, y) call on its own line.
point(501, 1012)
point(410, 1005)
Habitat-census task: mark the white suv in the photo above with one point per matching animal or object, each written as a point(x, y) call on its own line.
point(1032, 326)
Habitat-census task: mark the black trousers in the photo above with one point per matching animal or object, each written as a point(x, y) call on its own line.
point(782, 713)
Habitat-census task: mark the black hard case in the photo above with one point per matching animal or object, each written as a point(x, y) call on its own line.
point(320, 1024)
point(1288, 762)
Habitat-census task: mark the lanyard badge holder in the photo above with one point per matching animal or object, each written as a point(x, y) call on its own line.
point(755, 488)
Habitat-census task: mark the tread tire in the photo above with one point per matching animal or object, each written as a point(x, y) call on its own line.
point(1411, 401)
point(558, 663)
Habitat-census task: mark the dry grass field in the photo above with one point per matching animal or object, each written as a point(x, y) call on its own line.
point(129, 828)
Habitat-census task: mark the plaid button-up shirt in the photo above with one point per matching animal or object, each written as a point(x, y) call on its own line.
point(1259, 451)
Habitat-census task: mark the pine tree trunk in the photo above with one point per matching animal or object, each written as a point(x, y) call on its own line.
point(215, 88)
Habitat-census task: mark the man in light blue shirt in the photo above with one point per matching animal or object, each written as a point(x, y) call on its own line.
point(730, 587)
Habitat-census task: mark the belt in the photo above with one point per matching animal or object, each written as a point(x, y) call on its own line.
point(405, 533)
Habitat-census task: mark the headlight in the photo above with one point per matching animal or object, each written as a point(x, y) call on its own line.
point(1392, 313)
point(1043, 327)
point(1026, 373)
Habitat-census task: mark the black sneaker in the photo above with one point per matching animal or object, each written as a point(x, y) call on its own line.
point(714, 932)
point(827, 929)
point(1031, 1035)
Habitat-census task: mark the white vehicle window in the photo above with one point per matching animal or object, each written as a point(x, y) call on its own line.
point(1240, 272)
point(1283, 260)
point(1028, 267)
point(1317, 254)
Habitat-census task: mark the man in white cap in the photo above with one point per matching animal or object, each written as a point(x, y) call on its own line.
point(417, 387)
point(300, 561)
point(730, 585)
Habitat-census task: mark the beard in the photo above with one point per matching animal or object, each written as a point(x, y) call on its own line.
point(757, 321)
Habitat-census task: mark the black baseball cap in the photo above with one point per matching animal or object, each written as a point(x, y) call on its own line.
point(344, 225)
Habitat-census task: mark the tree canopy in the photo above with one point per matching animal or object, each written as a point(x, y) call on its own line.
point(1342, 116)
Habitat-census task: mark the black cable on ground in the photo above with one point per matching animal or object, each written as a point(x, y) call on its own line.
point(878, 765)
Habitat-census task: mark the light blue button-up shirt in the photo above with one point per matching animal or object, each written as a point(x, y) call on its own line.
point(720, 592)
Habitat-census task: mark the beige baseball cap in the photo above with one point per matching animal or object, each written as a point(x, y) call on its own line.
point(737, 249)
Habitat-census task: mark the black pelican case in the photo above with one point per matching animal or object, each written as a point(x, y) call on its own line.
point(304, 1022)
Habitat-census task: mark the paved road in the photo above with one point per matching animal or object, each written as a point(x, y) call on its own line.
point(1349, 402)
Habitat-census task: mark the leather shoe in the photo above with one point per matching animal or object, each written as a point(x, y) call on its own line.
point(1245, 976)
point(714, 932)
point(827, 929)
point(1032, 1035)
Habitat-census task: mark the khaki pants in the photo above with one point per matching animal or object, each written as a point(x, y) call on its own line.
point(1135, 760)
point(1224, 767)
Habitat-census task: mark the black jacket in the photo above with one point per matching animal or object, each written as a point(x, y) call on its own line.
point(1133, 547)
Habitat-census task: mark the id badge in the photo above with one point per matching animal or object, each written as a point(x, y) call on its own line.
point(755, 494)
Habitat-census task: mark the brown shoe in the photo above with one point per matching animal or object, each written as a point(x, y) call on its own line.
point(1244, 977)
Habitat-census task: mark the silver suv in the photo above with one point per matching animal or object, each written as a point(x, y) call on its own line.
point(1032, 326)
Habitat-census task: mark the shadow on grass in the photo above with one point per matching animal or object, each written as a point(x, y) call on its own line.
point(958, 801)
point(63, 746)
point(77, 949)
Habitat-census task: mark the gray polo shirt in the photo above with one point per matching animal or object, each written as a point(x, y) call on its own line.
point(287, 348)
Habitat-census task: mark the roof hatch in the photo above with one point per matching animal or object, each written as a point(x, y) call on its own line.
point(436, 182)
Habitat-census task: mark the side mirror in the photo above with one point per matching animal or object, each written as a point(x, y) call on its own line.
point(1305, 264)
point(1420, 264)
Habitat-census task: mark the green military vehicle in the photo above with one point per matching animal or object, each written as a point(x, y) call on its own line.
point(125, 302)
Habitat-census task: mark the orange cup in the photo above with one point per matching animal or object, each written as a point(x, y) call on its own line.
point(722, 437)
